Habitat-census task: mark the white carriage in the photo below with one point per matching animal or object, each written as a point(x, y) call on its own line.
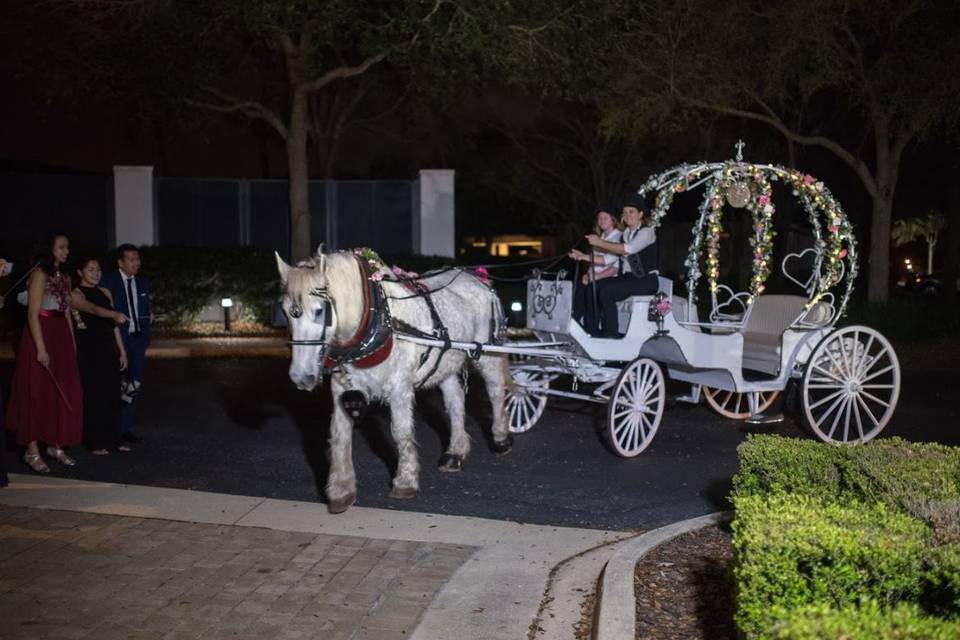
point(748, 345)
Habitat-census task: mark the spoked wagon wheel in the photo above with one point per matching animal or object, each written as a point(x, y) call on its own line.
point(850, 385)
point(524, 404)
point(736, 405)
point(636, 407)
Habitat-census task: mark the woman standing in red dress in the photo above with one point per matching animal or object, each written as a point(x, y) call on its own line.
point(46, 400)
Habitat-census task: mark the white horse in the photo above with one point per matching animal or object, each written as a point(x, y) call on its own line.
point(329, 301)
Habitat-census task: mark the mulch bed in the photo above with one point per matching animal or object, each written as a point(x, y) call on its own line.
point(685, 590)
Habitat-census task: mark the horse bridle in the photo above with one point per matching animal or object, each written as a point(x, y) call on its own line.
point(296, 311)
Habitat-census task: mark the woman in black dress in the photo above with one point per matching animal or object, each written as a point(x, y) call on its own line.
point(101, 358)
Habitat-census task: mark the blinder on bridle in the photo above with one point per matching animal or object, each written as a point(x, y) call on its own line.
point(323, 315)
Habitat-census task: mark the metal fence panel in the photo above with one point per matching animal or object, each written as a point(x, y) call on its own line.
point(198, 213)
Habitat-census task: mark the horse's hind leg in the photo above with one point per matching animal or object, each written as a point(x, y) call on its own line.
point(341, 481)
point(496, 375)
point(453, 401)
point(406, 482)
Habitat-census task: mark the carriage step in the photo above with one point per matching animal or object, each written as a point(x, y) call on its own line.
point(765, 418)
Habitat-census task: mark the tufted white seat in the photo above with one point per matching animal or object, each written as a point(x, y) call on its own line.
point(768, 318)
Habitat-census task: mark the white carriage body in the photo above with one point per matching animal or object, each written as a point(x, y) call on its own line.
point(773, 337)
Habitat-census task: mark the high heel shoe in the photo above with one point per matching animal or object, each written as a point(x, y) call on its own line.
point(61, 456)
point(35, 462)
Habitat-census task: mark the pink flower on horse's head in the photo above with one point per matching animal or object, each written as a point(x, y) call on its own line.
point(482, 274)
point(808, 179)
point(397, 271)
point(376, 276)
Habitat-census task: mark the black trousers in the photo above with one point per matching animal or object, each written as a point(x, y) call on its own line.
point(583, 302)
point(610, 291)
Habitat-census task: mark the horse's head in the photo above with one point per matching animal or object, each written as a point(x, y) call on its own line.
point(311, 316)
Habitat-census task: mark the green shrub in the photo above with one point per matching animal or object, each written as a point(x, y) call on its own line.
point(773, 464)
point(794, 550)
point(868, 621)
point(942, 581)
point(183, 280)
point(904, 475)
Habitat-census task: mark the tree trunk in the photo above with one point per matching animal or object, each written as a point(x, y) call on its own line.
point(299, 177)
point(878, 284)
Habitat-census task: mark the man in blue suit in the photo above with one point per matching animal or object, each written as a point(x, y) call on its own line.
point(131, 296)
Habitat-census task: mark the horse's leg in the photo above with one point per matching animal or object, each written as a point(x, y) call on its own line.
point(496, 375)
point(406, 482)
point(341, 481)
point(453, 401)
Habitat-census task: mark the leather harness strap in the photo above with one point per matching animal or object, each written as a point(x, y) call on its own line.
point(372, 343)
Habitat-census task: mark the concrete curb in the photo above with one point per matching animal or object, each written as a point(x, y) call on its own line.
point(616, 614)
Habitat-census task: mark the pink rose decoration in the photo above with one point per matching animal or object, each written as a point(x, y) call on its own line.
point(376, 276)
point(843, 253)
point(482, 274)
point(763, 200)
point(808, 179)
point(832, 228)
point(397, 271)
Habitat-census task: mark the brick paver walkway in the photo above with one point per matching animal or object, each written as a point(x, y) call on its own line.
point(78, 575)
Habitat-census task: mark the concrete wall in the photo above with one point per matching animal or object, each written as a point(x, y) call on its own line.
point(436, 234)
point(133, 205)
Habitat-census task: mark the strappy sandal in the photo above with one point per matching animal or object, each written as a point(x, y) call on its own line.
point(61, 456)
point(35, 462)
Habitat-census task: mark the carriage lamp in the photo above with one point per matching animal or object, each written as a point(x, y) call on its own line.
point(516, 306)
point(226, 303)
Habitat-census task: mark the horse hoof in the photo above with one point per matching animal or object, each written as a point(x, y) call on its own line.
point(503, 447)
point(450, 462)
point(403, 493)
point(341, 505)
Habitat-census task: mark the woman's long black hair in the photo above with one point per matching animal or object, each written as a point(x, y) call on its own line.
point(43, 253)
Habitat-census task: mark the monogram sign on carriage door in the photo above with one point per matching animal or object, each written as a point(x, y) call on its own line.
point(549, 304)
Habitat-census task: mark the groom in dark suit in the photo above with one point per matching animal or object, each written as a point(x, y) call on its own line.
point(131, 296)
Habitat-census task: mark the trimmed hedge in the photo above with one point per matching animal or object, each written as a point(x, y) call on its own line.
point(183, 280)
point(904, 475)
point(942, 581)
point(868, 621)
point(794, 550)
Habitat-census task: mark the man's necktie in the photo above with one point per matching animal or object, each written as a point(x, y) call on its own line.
point(133, 306)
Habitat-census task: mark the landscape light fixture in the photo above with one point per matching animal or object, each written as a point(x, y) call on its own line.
point(227, 304)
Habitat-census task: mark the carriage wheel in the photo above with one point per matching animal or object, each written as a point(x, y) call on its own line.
point(735, 405)
point(524, 404)
point(850, 385)
point(636, 407)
